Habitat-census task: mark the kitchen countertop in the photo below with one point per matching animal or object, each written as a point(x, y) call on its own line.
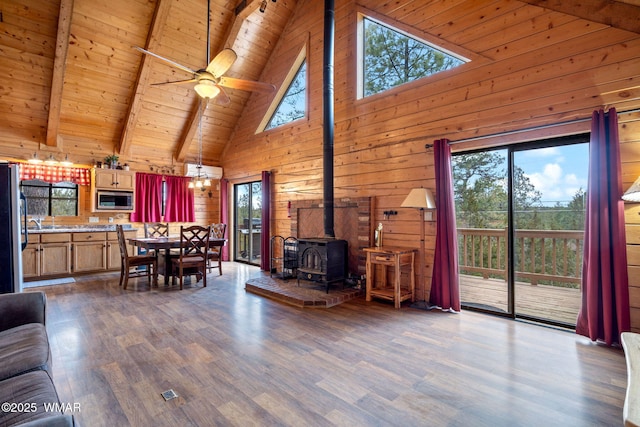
point(77, 228)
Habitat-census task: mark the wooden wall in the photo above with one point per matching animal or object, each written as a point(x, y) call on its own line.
point(532, 68)
point(629, 131)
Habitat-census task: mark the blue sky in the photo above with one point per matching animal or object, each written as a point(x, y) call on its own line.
point(557, 172)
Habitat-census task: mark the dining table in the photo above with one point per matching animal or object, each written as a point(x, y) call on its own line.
point(166, 243)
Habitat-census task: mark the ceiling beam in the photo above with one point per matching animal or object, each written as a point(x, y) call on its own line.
point(249, 6)
point(242, 11)
point(144, 72)
point(198, 110)
point(59, 67)
point(617, 14)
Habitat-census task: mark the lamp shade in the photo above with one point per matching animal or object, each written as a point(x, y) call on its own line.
point(420, 198)
point(207, 89)
point(633, 193)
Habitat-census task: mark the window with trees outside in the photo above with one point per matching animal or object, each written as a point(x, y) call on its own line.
point(293, 104)
point(392, 58)
point(45, 199)
point(520, 217)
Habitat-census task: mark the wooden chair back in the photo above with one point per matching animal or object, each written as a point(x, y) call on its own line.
point(131, 265)
point(156, 229)
point(194, 241)
point(194, 245)
point(217, 232)
point(124, 254)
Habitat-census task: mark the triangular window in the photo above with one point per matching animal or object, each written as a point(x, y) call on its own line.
point(392, 58)
point(293, 104)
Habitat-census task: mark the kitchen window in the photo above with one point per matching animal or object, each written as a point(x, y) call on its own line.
point(50, 199)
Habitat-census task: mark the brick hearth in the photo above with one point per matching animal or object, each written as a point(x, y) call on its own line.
point(307, 294)
point(352, 222)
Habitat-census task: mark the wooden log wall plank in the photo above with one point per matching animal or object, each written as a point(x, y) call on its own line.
point(379, 141)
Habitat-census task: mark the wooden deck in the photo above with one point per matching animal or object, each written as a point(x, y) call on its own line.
point(541, 301)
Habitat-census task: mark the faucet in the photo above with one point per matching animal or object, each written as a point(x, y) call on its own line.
point(38, 222)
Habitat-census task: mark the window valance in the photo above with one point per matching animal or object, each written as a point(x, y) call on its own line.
point(55, 174)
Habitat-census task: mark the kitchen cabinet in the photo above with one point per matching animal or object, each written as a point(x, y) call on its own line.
point(114, 179)
point(67, 253)
point(31, 258)
point(47, 255)
point(89, 252)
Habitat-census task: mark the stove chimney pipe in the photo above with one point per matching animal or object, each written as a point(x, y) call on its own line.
point(329, 36)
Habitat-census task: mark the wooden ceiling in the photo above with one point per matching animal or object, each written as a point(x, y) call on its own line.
point(74, 82)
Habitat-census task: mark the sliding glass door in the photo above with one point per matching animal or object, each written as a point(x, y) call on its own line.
point(549, 202)
point(520, 218)
point(482, 207)
point(248, 214)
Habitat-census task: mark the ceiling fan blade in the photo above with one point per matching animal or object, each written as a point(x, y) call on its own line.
point(222, 62)
point(247, 85)
point(175, 64)
point(175, 82)
point(222, 98)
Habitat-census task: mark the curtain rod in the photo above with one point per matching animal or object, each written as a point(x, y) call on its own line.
point(513, 132)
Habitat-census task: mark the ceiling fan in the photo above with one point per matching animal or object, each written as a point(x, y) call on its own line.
point(211, 80)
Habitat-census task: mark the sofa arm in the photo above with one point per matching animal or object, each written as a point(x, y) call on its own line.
point(22, 308)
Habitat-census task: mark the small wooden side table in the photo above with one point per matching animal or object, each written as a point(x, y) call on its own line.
point(396, 258)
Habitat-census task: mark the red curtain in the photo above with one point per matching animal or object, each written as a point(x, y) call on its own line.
point(180, 200)
point(265, 222)
point(605, 312)
point(148, 206)
point(224, 214)
point(55, 174)
point(445, 285)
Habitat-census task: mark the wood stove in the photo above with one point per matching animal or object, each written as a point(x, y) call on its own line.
point(322, 260)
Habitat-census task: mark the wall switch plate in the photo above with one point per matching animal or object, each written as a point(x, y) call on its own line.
point(94, 219)
point(110, 220)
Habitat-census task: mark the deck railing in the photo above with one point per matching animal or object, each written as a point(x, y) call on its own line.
point(551, 257)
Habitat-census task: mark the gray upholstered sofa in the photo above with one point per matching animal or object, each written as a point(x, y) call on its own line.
point(26, 385)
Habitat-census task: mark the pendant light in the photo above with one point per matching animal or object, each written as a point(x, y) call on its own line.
point(201, 180)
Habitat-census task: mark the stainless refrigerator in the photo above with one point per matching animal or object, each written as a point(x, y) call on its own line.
point(13, 228)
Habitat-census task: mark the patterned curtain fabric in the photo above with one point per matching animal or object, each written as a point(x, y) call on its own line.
point(148, 206)
point(605, 311)
point(445, 285)
point(180, 205)
point(55, 174)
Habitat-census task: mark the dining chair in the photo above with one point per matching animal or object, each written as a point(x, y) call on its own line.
point(130, 264)
point(215, 252)
point(194, 242)
point(156, 229)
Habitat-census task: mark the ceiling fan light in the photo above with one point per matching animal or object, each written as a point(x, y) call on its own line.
point(198, 184)
point(207, 182)
point(190, 184)
point(207, 89)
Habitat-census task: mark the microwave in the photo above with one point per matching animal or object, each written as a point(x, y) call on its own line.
point(114, 200)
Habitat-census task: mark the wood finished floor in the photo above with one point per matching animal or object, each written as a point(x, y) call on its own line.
point(238, 359)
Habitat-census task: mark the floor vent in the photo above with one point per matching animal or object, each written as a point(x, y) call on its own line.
point(169, 394)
